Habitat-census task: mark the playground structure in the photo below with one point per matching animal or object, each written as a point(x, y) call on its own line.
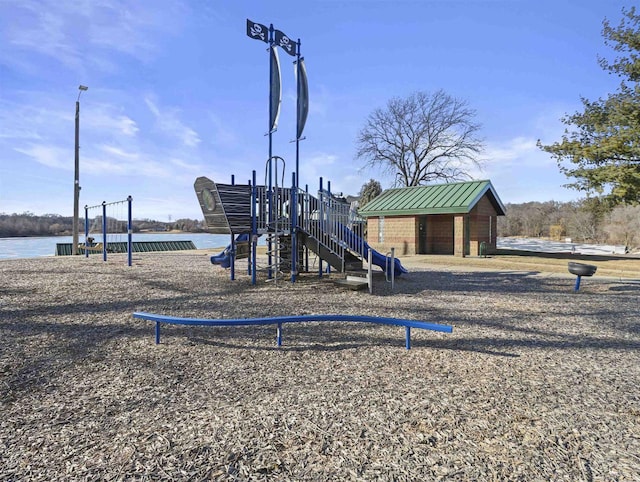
point(292, 220)
point(294, 223)
point(111, 228)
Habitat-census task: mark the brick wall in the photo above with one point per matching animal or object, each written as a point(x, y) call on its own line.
point(445, 232)
point(483, 226)
point(400, 232)
point(439, 234)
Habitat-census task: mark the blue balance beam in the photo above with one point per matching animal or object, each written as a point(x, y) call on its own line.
point(280, 320)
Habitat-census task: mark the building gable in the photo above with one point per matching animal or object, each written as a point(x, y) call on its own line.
point(453, 198)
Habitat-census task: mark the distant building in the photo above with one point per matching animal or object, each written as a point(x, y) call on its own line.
point(457, 218)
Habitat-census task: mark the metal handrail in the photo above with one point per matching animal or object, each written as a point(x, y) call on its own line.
point(331, 222)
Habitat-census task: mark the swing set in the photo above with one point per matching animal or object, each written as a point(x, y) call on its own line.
point(112, 229)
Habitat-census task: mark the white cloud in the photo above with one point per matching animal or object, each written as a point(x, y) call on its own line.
point(517, 149)
point(221, 134)
point(65, 30)
point(186, 165)
point(319, 99)
point(344, 176)
point(48, 155)
point(118, 152)
point(102, 117)
point(169, 123)
point(516, 155)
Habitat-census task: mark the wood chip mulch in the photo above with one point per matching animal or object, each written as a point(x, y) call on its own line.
point(536, 382)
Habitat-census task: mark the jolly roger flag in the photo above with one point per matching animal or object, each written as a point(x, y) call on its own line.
point(257, 31)
point(284, 42)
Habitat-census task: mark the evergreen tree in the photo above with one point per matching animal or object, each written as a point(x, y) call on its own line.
point(369, 191)
point(602, 151)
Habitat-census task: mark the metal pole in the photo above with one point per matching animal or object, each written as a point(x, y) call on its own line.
point(86, 230)
point(370, 270)
point(76, 177)
point(129, 232)
point(76, 182)
point(307, 221)
point(254, 229)
point(104, 230)
point(393, 267)
point(293, 212)
point(328, 226)
point(249, 241)
point(270, 183)
point(320, 227)
point(232, 257)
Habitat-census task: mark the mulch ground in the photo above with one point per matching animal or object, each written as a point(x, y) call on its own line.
point(536, 382)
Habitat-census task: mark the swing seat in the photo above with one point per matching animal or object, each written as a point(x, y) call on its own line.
point(95, 247)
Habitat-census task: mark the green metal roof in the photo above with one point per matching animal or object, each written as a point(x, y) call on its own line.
point(453, 198)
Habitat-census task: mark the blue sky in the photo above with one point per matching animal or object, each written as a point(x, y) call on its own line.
point(177, 90)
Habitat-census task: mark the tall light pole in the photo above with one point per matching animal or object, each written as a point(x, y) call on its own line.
point(76, 177)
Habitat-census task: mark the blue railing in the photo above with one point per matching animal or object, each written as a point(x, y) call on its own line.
point(324, 218)
point(280, 320)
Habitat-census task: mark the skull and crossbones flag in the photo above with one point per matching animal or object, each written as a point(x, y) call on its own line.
point(285, 43)
point(257, 31)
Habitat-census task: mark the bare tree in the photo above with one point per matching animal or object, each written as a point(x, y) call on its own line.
point(422, 138)
point(623, 225)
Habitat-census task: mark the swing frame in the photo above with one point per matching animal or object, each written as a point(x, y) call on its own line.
point(103, 246)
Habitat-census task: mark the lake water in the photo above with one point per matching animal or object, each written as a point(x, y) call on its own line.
point(33, 247)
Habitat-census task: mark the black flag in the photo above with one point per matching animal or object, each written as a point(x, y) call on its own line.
point(303, 97)
point(275, 96)
point(284, 42)
point(257, 31)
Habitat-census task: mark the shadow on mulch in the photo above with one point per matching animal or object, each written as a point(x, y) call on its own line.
point(483, 282)
point(331, 338)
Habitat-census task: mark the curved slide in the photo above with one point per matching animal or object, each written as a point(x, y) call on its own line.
point(224, 257)
point(356, 244)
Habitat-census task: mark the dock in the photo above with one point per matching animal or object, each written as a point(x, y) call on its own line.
point(64, 249)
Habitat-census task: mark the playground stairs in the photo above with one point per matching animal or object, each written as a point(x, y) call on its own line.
point(342, 262)
point(354, 283)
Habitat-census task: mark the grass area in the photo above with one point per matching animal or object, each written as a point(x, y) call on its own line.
point(614, 266)
point(610, 266)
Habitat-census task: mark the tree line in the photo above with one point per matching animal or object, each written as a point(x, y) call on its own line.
point(29, 224)
point(587, 220)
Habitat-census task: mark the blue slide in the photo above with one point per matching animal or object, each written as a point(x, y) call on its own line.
point(356, 244)
point(224, 257)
